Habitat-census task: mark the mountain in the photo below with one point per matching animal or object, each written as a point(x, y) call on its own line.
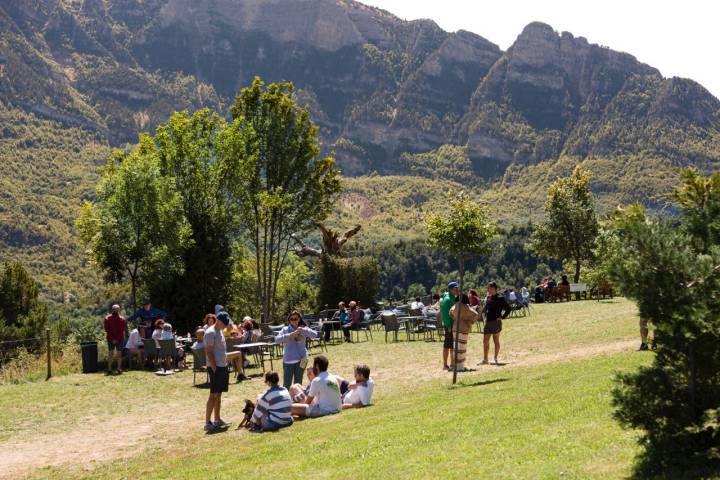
point(421, 108)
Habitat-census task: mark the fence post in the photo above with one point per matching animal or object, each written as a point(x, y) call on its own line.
point(49, 358)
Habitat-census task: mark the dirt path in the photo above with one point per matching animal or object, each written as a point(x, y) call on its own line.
point(109, 438)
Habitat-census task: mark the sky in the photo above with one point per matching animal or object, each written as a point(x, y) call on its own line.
point(679, 38)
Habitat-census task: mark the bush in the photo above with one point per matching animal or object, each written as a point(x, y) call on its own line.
point(348, 279)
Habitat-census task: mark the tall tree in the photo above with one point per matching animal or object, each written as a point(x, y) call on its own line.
point(283, 185)
point(463, 232)
point(570, 226)
point(699, 201)
point(22, 315)
point(136, 223)
point(191, 153)
point(675, 401)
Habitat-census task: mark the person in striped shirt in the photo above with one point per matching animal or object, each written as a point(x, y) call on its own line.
point(272, 410)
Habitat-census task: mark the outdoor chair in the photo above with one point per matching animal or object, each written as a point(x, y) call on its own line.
point(151, 350)
point(168, 350)
point(431, 326)
point(363, 327)
point(199, 363)
point(391, 325)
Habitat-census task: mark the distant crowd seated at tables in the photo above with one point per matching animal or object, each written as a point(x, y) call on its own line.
point(345, 318)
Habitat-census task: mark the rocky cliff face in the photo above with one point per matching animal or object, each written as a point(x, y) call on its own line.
point(378, 86)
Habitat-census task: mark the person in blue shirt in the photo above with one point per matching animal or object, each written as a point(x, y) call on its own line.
point(293, 337)
point(147, 315)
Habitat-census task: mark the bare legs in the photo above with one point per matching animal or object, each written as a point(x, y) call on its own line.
point(447, 352)
point(486, 346)
point(213, 406)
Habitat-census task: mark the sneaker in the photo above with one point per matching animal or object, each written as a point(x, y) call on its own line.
point(653, 346)
point(209, 427)
point(220, 424)
point(643, 346)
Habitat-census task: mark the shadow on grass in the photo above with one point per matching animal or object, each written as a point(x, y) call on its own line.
point(479, 383)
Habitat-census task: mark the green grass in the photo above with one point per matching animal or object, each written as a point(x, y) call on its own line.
point(544, 415)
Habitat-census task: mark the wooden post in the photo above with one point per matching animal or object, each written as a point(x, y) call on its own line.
point(49, 356)
point(456, 324)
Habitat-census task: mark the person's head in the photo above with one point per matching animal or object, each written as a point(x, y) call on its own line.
point(247, 323)
point(352, 305)
point(417, 299)
point(116, 309)
point(159, 323)
point(310, 372)
point(453, 288)
point(295, 319)
point(492, 288)
point(147, 305)
point(341, 306)
point(564, 277)
point(272, 379)
point(167, 327)
point(320, 364)
point(465, 299)
point(362, 373)
point(222, 320)
point(436, 296)
point(219, 308)
point(210, 319)
point(473, 292)
point(141, 329)
point(200, 334)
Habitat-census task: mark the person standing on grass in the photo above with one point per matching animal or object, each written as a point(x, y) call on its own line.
point(293, 338)
point(446, 302)
point(272, 410)
point(496, 309)
point(114, 325)
point(644, 334)
point(215, 352)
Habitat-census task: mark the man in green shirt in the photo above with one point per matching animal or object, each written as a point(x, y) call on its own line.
point(446, 302)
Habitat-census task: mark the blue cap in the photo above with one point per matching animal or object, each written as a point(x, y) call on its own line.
point(224, 317)
point(452, 285)
point(219, 308)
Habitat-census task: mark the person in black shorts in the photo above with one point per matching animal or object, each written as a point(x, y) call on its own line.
point(217, 366)
point(496, 309)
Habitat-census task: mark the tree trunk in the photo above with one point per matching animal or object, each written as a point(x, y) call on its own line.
point(577, 271)
point(134, 293)
point(456, 324)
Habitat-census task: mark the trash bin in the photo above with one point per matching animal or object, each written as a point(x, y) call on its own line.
point(89, 352)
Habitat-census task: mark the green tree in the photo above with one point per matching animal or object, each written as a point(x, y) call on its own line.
point(136, 223)
point(463, 232)
point(699, 202)
point(193, 154)
point(283, 184)
point(22, 315)
point(570, 226)
point(675, 402)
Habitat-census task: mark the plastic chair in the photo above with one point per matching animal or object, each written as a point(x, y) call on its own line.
point(199, 363)
point(167, 350)
point(151, 350)
point(391, 325)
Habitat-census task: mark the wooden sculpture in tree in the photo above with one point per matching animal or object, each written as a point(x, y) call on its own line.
point(332, 242)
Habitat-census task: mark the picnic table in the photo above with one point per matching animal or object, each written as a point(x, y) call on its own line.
point(260, 349)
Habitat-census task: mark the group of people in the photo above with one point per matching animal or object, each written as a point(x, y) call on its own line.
point(326, 393)
point(496, 308)
point(150, 325)
point(347, 317)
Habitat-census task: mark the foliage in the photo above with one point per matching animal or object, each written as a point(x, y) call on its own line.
point(699, 202)
point(675, 402)
point(283, 185)
point(22, 315)
point(136, 223)
point(571, 226)
point(191, 148)
point(346, 279)
point(463, 232)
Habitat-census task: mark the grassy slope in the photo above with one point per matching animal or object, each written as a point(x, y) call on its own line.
point(546, 412)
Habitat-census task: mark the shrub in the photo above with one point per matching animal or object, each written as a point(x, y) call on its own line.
point(348, 279)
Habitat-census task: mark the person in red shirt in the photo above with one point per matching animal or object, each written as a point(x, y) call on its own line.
point(115, 333)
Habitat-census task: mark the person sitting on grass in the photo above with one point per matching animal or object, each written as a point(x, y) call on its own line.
point(298, 393)
point(273, 408)
point(359, 393)
point(323, 398)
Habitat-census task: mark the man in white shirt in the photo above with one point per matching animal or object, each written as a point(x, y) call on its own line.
point(323, 398)
point(417, 304)
point(359, 393)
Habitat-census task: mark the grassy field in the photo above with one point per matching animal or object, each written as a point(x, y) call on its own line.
point(545, 414)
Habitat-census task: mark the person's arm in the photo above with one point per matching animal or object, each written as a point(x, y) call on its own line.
point(159, 313)
point(284, 336)
point(309, 332)
point(209, 348)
